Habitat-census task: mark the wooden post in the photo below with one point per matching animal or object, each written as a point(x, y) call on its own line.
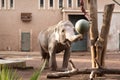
point(93, 29)
point(101, 43)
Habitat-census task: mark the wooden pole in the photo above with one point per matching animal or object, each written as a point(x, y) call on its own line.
point(101, 43)
point(93, 29)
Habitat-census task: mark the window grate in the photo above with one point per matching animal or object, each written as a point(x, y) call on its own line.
point(51, 3)
point(41, 3)
point(60, 3)
point(69, 3)
point(78, 3)
point(11, 3)
point(3, 3)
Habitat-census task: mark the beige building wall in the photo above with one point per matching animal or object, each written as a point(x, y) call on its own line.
point(11, 24)
point(101, 4)
point(114, 33)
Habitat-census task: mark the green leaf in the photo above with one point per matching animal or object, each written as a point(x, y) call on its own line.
point(38, 73)
point(8, 74)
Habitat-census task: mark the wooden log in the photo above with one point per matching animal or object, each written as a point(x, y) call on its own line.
point(93, 29)
point(101, 42)
point(75, 71)
point(102, 70)
point(82, 71)
point(64, 74)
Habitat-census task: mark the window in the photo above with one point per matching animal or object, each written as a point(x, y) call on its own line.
point(3, 4)
point(78, 3)
point(41, 3)
point(69, 3)
point(60, 3)
point(11, 4)
point(51, 3)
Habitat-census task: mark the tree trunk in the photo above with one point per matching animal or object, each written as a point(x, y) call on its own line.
point(93, 29)
point(101, 43)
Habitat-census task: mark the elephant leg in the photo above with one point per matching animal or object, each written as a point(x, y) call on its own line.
point(52, 52)
point(53, 63)
point(66, 59)
point(47, 63)
point(46, 58)
point(45, 55)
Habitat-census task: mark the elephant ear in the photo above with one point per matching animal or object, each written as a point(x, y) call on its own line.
point(57, 29)
point(70, 30)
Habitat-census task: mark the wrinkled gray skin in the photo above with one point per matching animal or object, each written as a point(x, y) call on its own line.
point(56, 39)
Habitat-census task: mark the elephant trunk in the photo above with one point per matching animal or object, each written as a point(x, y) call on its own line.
point(76, 37)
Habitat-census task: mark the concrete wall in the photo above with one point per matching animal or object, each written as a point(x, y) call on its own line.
point(102, 3)
point(113, 37)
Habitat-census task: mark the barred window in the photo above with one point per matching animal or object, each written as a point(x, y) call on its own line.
point(11, 3)
point(41, 3)
point(78, 3)
point(69, 3)
point(51, 3)
point(2, 3)
point(60, 3)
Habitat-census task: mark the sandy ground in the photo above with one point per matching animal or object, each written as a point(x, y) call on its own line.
point(82, 60)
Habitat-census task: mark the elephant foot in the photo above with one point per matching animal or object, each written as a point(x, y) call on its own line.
point(46, 67)
point(53, 68)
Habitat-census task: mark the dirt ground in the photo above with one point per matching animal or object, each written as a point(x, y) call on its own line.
point(82, 60)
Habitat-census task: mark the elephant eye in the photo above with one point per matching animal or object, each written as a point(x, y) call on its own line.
point(63, 30)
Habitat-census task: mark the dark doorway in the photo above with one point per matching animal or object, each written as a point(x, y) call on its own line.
point(82, 44)
point(25, 41)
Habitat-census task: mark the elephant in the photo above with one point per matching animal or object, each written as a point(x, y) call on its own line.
point(56, 39)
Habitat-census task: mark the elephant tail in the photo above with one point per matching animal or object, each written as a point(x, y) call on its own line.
point(45, 56)
point(44, 53)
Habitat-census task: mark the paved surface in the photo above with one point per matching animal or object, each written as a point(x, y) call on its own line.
point(82, 60)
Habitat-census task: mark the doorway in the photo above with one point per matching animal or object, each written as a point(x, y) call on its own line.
point(80, 45)
point(25, 41)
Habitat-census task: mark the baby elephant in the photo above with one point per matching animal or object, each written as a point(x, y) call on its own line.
point(55, 39)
